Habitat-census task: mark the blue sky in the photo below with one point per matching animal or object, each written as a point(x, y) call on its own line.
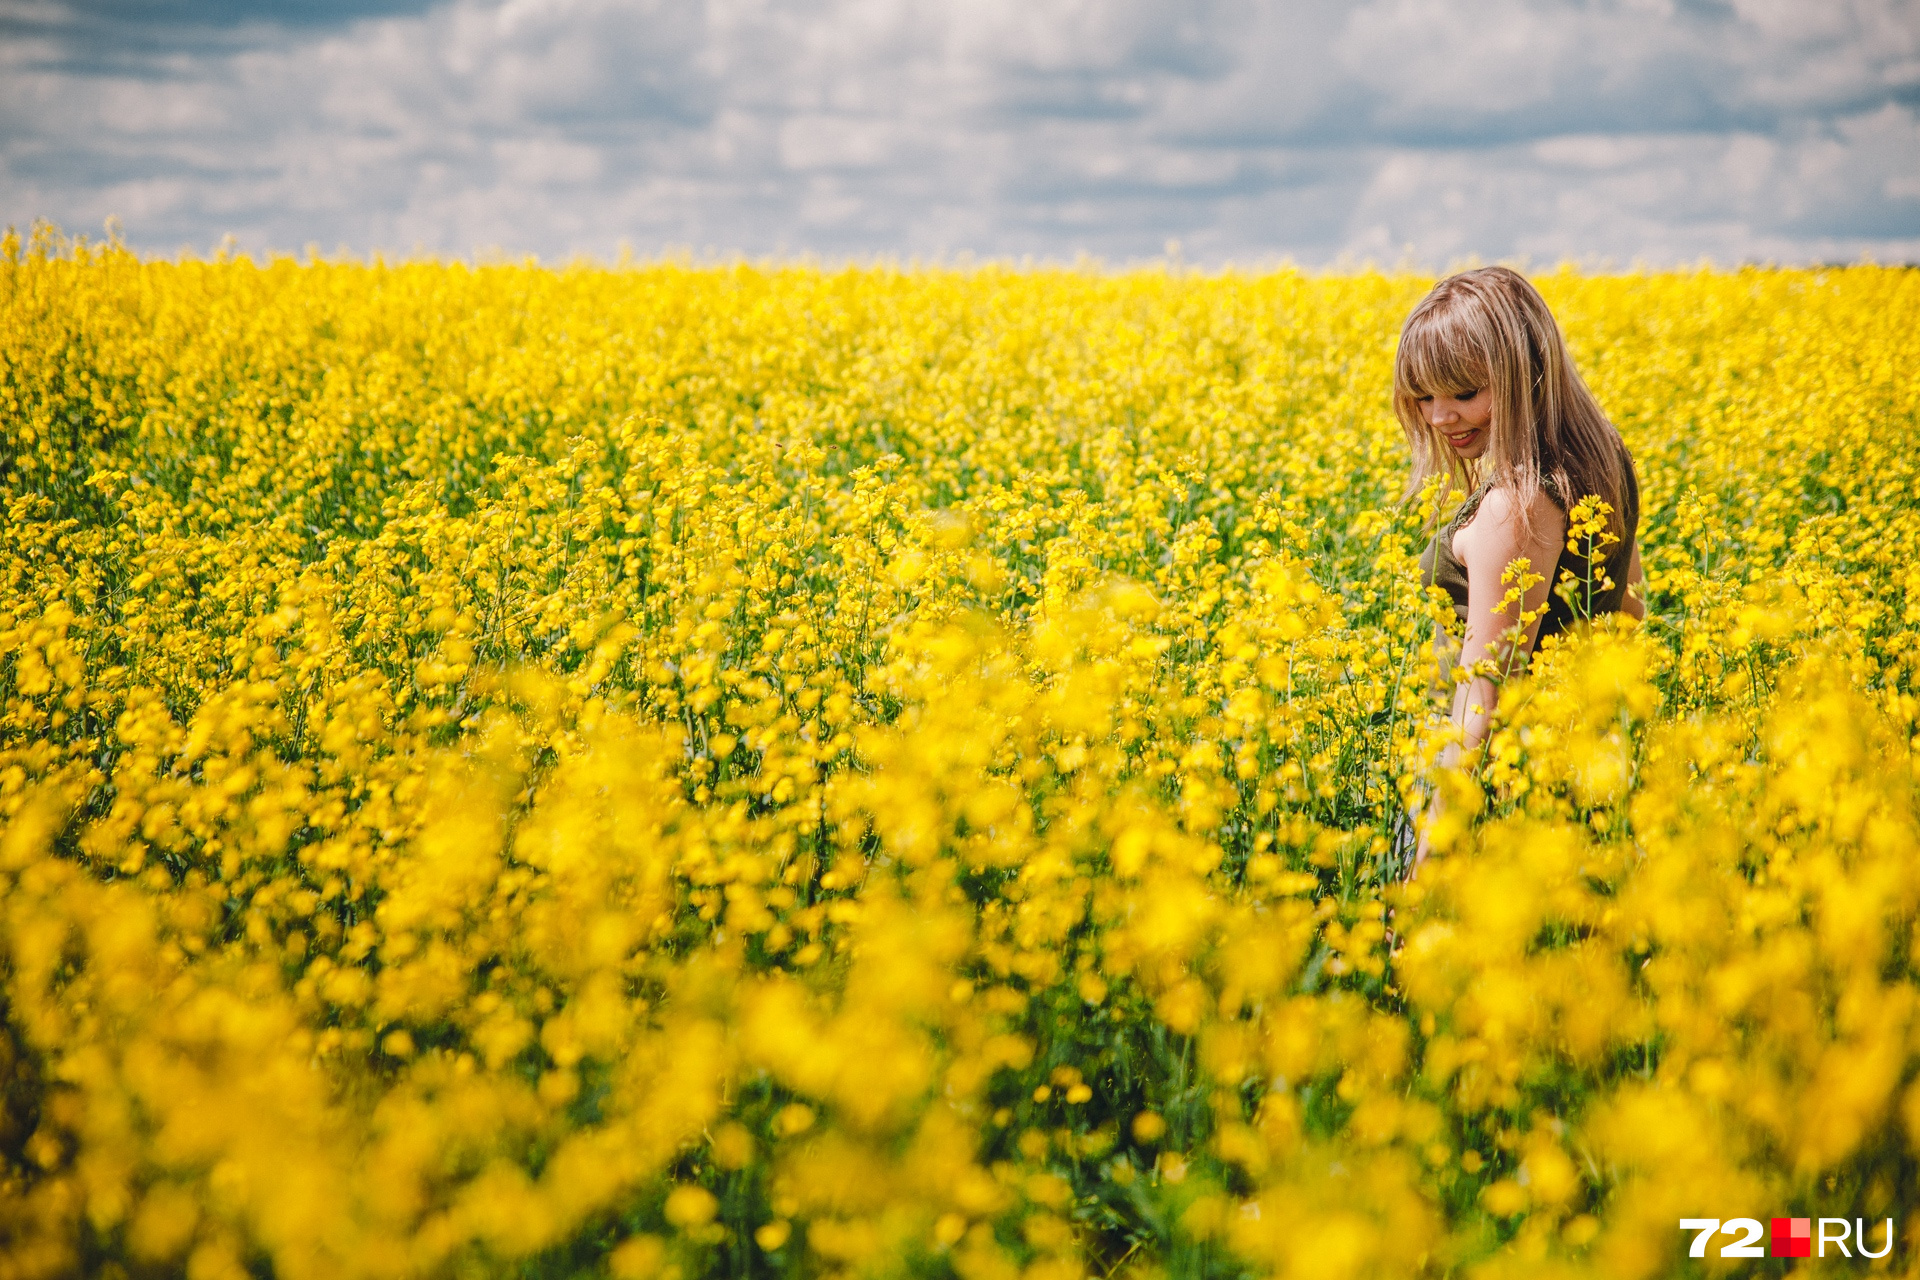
point(1617, 131)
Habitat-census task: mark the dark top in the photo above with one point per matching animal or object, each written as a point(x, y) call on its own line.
point(1439, 565)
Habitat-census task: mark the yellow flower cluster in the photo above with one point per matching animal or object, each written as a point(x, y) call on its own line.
point(673, 772)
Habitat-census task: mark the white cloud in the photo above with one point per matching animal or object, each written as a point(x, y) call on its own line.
point(1420, 59)
point(1249, 129)
point(818, 141)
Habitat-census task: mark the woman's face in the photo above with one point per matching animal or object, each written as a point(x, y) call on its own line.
point(1464, 419)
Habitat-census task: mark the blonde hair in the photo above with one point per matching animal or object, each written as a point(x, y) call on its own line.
point(1491, 329)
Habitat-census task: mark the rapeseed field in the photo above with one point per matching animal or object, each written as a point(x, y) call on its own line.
point(685, 771)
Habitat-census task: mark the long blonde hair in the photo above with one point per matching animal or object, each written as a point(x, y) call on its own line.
point(1491, 329)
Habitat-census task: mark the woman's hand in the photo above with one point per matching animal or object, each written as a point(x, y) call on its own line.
point(1634, 602)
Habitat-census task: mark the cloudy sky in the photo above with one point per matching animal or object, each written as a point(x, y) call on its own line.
point(1248, 130)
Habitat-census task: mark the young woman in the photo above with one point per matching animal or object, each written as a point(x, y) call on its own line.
point(1492, 405)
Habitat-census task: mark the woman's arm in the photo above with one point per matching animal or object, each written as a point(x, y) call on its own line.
point(1487, 546)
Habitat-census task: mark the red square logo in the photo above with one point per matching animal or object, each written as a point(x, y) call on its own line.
point(1793, 1237)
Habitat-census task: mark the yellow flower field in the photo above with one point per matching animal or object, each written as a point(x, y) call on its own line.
point(747, 771)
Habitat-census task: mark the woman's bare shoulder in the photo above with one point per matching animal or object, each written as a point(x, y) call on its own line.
point(1501, 505)
point(1497, 533)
